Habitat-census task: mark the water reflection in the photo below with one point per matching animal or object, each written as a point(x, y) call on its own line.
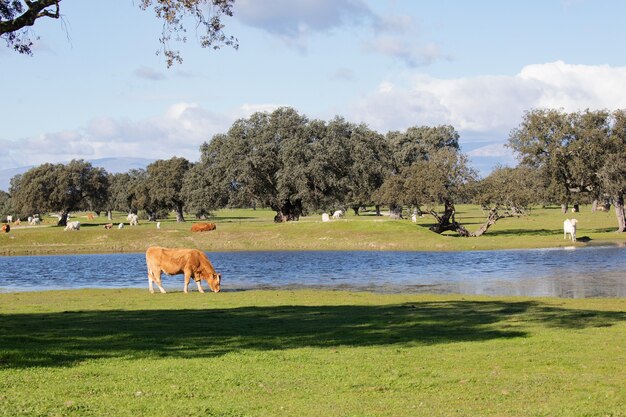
point(578, 273)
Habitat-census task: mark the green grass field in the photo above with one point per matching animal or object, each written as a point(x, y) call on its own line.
point(254, 230)
point(309, 353)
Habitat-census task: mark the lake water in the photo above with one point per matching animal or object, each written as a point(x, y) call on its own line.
point(566, 272)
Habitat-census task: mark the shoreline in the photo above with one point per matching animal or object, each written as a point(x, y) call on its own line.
point(48, 251)
point(240, 230)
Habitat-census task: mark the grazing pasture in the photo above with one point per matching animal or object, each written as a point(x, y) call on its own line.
point(309, 353)
point(247, 229)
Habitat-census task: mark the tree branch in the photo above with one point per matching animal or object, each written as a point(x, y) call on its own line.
point(36, 9)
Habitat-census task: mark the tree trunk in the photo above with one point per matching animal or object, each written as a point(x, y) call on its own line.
point(110, 215)
point(446, 221)
point(395, 213)
point(179, 215)
point(356, 210)
point(288, 212)
point(491, 220)
point(594, 206)
point(564, 208)
point(63, 218)
point(619, 212)
point(378, 209)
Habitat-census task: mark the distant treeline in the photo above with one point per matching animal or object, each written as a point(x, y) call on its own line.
point(298, 166)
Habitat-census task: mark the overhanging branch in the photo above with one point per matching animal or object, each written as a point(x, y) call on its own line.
point(36, 10)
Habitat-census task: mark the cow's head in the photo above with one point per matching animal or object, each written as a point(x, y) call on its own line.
point(214, 280)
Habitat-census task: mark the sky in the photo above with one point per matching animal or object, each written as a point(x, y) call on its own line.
point(95, 87)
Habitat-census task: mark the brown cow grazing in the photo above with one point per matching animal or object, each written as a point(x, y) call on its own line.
point(108, 226)
point(6, 228)
point(202, 227)
point(191, 262)
point(89, 216)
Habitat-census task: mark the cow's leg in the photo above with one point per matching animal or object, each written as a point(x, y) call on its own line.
point(187, 278)
point(157, 280)
point(150, 284)
point(199, 284)
point(150, 281)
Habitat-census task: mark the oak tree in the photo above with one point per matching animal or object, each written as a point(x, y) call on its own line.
point(578, 154)
point(165, 182)
point(61, 188)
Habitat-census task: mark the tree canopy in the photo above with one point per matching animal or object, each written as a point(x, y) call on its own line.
point(297, 166)
point(284, 161)
point(17, 16)
point(579, 154)
point(60, 188)
point(165, 182)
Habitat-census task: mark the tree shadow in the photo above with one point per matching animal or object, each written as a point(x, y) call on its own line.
point(604, 230)
point(504, 232)
point(524, 232)
point(68, 338)
point(100, 225)
point(228, 218)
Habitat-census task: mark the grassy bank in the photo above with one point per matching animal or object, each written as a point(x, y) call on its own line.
point(255, 230)
point(308, 353)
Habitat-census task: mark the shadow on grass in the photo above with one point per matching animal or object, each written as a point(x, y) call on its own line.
point(525, 232)
point(505, 232)
point(230, 219)
point(67, 338)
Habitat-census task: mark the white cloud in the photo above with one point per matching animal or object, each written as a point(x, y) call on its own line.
point(406, 50)
point(292, 20)
point(385, 87)
point(179, 131)
point(396, 23)
point(248, 109)
point(148, 74)
point(496, 150)
point(296, 21)
point(490, 105)
point(483, 109)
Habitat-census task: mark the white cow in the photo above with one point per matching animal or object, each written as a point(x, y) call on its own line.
point(569, 227)
point(325, 217)
point(72, 226)
point(338, 214)
point(9, 219)
point(133, 219)
point(120, 226)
